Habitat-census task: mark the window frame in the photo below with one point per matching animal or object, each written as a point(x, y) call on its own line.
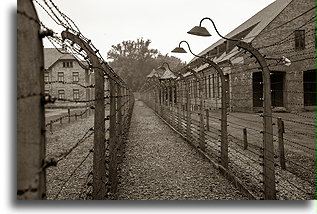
point(46, 76)
point(300, 40)
point(67, 64)
point(76, 77)
point(61, 95)
point(77, 94)
point(60, 76)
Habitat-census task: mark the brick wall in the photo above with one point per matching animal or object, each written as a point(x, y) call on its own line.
point(274, 32)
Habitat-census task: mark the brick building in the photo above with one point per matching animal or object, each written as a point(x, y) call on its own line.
point(64, 76)
point(285, 28)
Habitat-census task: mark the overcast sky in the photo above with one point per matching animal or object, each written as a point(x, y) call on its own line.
point(164, 22)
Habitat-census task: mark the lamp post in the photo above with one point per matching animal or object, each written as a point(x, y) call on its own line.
point(268, 154)
point(224, 132)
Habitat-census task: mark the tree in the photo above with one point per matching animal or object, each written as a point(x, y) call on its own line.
point(134, 60)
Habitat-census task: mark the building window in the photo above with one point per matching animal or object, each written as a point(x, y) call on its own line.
point(75, 77)
point(47, 92)
point(61, 94)
point(67, 64)
point(299, 40)
point(60, 76)
point(76, 94)
point(46, 77)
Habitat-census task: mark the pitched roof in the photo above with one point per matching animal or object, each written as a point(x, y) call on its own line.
point(259, 22)
point(51, 55)
point(168, 74)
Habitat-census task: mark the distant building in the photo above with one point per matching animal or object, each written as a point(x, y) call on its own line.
point(64, 77)
point(285, 28)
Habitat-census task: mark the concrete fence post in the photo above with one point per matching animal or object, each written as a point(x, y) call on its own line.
point(51, 126)
point(207, 120)
point(188, 113)
point(99, 173)
point(30, 106)
point(68, 113)
point(113, 136)
point(245, 139)
point(281, 131)
point(268, 153)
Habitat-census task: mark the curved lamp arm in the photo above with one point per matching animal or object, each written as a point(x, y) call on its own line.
point(210, 62)
point(202, 31)
point(179, 45)
point(168, 66)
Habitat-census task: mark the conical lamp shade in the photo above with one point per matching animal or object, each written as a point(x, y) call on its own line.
point(179, 50)
point(199, 31)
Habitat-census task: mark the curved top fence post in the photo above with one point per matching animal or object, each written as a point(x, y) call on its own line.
point(99, 172)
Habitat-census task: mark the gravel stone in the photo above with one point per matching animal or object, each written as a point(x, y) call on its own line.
point(160, 165)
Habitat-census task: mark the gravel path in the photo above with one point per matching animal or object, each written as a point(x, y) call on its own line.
point(67, 179)
point(160, 165)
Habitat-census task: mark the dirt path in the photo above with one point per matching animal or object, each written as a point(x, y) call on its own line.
point(160, 165)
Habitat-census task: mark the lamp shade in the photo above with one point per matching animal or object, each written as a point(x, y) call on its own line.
point(199, 31)
point(179, 50)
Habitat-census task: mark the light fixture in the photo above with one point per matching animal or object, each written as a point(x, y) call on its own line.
point(283, 60)
point(199, 31)
point(202, 31)
point(286, 61)
point(179, 50)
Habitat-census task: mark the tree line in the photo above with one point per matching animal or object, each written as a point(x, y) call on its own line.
point(134, 60)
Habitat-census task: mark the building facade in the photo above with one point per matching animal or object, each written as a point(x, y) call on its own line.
point(66, 78)
point(283, 30)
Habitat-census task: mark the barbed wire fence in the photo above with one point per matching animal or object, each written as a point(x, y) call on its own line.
point(191, 105)
point(98, 160)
